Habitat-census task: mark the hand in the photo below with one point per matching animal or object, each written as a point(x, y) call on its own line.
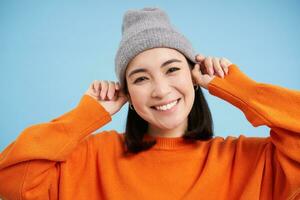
point(207, 67)
point(108, 94)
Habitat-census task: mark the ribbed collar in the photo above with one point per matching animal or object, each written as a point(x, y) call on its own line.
point(169, 143)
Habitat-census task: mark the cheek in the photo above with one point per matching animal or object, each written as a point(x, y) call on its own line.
point(138, 97)
point(184, 82)
point(185, 86)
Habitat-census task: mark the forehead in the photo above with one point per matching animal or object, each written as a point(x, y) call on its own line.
point(154, 57)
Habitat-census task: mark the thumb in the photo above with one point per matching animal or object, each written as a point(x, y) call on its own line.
point(197, 74)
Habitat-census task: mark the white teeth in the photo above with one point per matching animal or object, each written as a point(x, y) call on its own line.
point(167, 106)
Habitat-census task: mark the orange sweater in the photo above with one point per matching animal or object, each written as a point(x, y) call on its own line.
point(61, 159)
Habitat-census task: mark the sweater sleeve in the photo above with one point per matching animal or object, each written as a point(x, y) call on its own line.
point(31, 162)
point(277, 108)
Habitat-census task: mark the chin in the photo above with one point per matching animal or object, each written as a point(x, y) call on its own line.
point(170, 125)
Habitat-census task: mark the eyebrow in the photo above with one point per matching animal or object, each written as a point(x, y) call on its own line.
point(144, 70)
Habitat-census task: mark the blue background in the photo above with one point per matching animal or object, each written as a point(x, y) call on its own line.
point(51, 51)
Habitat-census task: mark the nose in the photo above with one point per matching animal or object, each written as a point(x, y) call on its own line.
point(161, 88)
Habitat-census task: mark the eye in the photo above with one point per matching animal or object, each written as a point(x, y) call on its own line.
point(173, 69)
point(140, 79)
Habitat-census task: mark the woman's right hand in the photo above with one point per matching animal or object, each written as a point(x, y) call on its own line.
point(108, 94)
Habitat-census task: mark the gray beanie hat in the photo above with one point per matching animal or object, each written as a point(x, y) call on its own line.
point(145, 29)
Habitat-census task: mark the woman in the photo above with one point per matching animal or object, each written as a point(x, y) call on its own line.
point(167, 150)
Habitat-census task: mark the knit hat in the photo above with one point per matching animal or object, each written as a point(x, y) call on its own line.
point(145, 29)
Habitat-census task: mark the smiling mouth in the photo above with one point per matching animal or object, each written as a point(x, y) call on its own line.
point(166, 106)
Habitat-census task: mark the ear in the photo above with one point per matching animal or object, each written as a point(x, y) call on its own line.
point(192, 77)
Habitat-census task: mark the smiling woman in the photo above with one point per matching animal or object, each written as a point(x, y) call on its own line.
point(164, 99)
point(168, 150)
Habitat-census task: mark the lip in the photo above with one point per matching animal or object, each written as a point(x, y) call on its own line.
point(165, 103)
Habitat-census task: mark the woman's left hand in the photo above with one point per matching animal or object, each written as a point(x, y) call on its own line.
point(207, 68)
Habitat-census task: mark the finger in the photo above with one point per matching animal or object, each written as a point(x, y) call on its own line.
point(111, 90)
point(209, 66)
point(224, 65)
point(92, 89)
point(218, 67)
point(95, 87)
point(228, 63)
point(118, 91)
point(103, 90)
point(117, 86)
point(200, 57)
point(197, 74)
point(98, 90)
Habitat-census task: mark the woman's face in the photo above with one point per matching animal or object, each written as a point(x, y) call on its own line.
point(160, 87)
